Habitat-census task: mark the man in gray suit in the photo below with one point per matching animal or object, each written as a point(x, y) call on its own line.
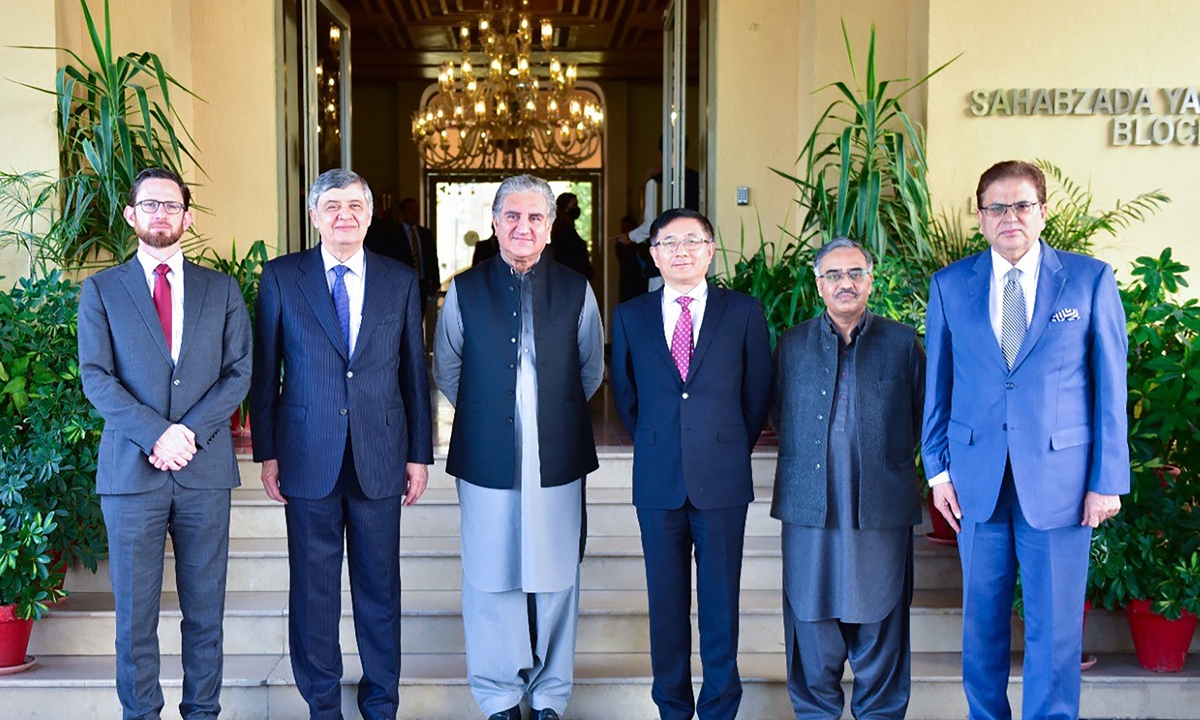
point(519, 350)
point(848, 400)
point(164, 353)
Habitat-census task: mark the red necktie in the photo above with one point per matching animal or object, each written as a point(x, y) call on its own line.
point(414, 244)
point(681, 340)
point(162, 300)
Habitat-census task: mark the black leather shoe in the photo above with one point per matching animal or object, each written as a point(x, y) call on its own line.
point(546, 714)
point(513, 713)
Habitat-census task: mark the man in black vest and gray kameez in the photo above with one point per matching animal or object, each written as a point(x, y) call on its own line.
point(849, 392)
point(518, 351)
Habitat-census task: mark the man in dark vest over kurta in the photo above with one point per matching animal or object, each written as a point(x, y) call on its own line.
point(849, 393)
point(518, 351)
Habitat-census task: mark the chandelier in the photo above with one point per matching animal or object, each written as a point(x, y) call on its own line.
point(499, 113)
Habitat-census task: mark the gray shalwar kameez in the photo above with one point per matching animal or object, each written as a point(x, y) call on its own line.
point(519, 549)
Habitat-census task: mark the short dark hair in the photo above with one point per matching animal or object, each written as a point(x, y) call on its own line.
point(1012, 170)
point(670, 216)
point(159, 173)
point(564, 199)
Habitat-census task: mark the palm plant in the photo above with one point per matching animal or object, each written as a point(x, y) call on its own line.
point(110, 128)
point(864, 166)
point(1072, 223)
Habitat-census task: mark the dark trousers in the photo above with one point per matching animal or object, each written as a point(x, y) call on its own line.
point(1053, 565)
point(138, 525)
point(371, 531)
point(879, 656)
point(668, 539)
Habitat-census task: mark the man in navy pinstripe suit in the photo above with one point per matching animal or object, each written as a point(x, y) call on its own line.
point(340, 398)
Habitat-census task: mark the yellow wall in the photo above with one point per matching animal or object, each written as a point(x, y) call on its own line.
point(1102, 43)
point(769, 56)
point(223, 50)
point(28, 140)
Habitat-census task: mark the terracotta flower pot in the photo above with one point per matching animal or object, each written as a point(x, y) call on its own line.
point(1161, 644)
point(14, 637)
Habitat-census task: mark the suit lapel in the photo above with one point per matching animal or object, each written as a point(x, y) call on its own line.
point(134, 281)
point(979, 287)
point(378, 280)
point(316, 292)
point(652, 317)
point(195, 297)
point(714, 306)
point(1051, 280)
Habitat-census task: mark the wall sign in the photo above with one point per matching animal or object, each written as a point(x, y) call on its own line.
point(1139, 116)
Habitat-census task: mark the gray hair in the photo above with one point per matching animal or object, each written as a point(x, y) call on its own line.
point(836, 244)
point(524, 184)
point(339, 178)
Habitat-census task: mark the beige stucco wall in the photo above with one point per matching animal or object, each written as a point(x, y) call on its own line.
point(769, 56)
point(27, 138)
point(1102, 43)
point(223, 50)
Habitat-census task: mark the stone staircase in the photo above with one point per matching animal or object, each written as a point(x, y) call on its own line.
point(73, 677)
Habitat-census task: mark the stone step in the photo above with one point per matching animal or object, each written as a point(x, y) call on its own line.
point(612, 621)
point(433, 687)
point(433, 563)
point(615, 471)
point(610, 512)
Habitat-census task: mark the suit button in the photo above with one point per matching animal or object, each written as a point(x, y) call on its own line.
point(822, 392)
point(818, 466)
point(816, 442)
point(1009, 386)
point(343, 411)
point(513, 340)
point(1004, 427)
point(511, 366)
point(514, 313)
point(685, 396)
point(508, 393)
point(509, 420)
point(820, 417)
point(349, 373)
point(176, 382)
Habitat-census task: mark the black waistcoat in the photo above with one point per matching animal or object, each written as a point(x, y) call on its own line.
point(483, 446)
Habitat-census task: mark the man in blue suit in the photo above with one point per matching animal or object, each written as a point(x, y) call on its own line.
point(340, 401)
point(164, 355)
point(1024, 438)
point(691, 376)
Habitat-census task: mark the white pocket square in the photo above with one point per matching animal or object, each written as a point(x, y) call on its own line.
point(1065, 315)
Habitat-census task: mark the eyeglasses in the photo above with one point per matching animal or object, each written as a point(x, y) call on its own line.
point(836, 276)
point(151, 206)
point(999, 210)
point(688, 242)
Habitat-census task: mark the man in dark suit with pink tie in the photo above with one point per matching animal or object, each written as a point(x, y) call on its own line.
point(691, 374)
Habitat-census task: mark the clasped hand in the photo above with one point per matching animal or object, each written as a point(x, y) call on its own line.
point(174, 449)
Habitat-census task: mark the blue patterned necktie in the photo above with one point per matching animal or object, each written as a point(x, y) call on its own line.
point(341, 302)
point(1013, 321)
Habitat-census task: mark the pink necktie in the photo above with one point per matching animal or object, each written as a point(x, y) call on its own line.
point(162, 300)
point(681, 340)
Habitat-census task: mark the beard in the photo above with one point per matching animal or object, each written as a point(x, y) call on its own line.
point(159, 237)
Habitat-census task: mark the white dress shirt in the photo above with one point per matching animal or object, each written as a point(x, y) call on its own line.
point(672, 310)
point(355, 282)
point(175, 278)
point(1029, 265)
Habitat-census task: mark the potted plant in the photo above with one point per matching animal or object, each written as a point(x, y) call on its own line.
point(51, 442)
point(245, 270)
point(1147, 559)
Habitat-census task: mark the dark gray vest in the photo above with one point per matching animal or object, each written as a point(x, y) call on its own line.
point(891, 390)
point(483, 447)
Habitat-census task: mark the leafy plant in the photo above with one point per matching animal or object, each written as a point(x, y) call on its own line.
point(110, 128)
point(1072, 223)
point(27, 576)
point(864, 166)
point(47, 483)
point(1149, 550)
point(245, 270)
